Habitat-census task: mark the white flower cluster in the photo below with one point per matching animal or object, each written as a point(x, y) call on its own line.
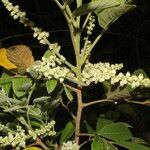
point(43, 131)
point(52, 67)
point(90, 25)
point(18, 139)
point(132, 80)
point(21, 15)
point(70, 145)
point(99, 72)
point(15, 139)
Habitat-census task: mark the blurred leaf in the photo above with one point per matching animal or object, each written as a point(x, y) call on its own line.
point(97, 144)
point(4, 61)
point(90, 130)
point(132, 146)
point(17, 85)
point(95, 5)
point(102, 123)
point(21, 56)
point(116, 131)
point(67, 132)
point(110, 15)
point(51, 85)
point(68, 93)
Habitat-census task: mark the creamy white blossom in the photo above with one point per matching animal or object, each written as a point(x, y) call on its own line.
point(91, 24)
point(53, 67)
point(70, 145)
point(17, 139)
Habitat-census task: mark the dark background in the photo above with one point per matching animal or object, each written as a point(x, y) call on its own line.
point(126, 41)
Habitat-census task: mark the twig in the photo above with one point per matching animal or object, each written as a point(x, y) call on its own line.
point(72, 115)
point(96, 102)
point(30, 93)
point(79, 114)
point(39, 142)
point(58, 4)
point(86, 134)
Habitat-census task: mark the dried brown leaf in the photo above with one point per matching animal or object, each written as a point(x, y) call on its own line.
point(21, 56)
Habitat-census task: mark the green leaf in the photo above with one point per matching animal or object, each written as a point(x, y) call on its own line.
point(41, 99)
point(67, 132)
point(17, 84)
point(90, 130)
point(95, 5)
point(110, 15)
point(51, 85)
point(116, 132)
point(5, 82)
point(108, 145)
point(102, 123)
point(97, 144)
point(68, 93)
point(132, 146)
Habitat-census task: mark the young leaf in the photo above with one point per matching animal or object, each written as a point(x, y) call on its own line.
point(102, 123)
point(21, 56)
point(4, 61)
point(51, 85)
point(67, 132)
point(95, 5)
point(41, 99)
point(110, 15)
point(116, 132)
point(17, 84)
point(68, 93)
point(97, 144)
point(132, 146)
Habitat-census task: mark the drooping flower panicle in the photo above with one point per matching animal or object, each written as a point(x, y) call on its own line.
point(16, 13)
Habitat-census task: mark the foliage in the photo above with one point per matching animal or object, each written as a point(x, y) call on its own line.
point(34, 91)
